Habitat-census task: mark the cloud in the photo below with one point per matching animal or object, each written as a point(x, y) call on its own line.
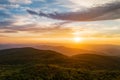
point(32, 12)
point(108, 11)
point(4, 2)
point(14, 27)
point(8, 31)
point(32, 28)
point(5, 23)
point(20, 1)
point(4, 14)
point(8, 6)
point(89, 3)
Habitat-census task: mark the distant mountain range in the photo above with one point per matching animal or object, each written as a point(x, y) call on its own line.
point(28, 55)
point(109, 50)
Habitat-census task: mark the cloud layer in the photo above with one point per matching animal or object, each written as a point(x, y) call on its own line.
point(56, 18)
point(108, 11)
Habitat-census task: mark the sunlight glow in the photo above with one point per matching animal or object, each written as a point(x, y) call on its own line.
point(77, 39)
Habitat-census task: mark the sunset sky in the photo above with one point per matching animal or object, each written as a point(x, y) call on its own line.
point(60, 21)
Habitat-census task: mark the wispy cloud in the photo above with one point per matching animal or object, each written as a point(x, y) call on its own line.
point(107, 11)
point(21, 24)
point(48, 18)
point(20, 1)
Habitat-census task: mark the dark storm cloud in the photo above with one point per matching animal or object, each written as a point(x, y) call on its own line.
point(107, 11)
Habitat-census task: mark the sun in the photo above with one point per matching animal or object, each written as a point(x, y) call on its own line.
point(77, 39)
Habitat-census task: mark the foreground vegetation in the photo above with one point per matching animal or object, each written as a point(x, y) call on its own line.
point(33, 64)
point(54, 72)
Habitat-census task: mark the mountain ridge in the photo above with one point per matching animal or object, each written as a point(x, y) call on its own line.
point(110, 50)
point(28, 55)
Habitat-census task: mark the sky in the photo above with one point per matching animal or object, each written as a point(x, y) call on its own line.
point(60, 21)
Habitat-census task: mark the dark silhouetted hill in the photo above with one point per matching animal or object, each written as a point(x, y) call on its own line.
point(94, 61)
point(30, 55)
